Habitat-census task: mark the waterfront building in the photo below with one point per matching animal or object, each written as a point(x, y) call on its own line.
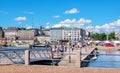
point(26, 34)
point(41, 31)
point(11, 32)
point(87, 34)
point(1, 33)
point(117, 35)
point(62, 33)
point(46, 32)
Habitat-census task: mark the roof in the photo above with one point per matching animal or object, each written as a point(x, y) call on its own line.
point(12, 28)
point(26, 31)
point(67, 28)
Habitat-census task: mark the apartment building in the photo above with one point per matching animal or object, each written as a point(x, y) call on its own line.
point(67, 33)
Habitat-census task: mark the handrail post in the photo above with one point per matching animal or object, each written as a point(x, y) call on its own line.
point(27, 57)
point(78, 59)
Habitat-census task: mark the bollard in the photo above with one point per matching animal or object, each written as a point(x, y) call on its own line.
point(78, 61)
point(27, 57)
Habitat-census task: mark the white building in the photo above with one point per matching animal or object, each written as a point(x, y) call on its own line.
point(67, 33)
point(117, 35)
point(46, 32)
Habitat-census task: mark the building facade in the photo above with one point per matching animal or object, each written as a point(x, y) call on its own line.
point(117, 35)
point(11, 32)
point(67, 33)
point(1, 33)
point(26, 34)
point(46, 32)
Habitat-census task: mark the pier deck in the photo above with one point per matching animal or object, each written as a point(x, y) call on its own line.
point(65, 61)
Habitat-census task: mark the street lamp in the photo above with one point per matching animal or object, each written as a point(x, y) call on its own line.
point(69, 34)
point(80, 44)
point(80, 40)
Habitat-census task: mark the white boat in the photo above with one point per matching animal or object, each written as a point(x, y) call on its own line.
point(93, 58)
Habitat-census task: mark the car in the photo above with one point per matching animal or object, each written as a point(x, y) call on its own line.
point(109, 45)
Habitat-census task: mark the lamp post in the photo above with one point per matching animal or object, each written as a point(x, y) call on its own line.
point(107, 37)
point(80, 40)
point(69, 46)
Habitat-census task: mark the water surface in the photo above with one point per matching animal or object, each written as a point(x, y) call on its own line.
point(107, 57)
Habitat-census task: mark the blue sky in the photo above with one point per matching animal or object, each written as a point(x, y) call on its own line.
point(102, 15)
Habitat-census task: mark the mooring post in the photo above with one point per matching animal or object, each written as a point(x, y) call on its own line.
point(27, 57)
point(78, 59)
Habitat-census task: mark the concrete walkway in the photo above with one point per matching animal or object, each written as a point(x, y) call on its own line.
point(46, 69)
point(65, 61)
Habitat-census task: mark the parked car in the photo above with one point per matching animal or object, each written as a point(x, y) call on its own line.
point(109, 45)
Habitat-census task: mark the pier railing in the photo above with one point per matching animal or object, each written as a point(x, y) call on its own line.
point(18, 56)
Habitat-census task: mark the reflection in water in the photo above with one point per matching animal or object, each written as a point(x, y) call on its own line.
point(109, 52)
point(107, 57)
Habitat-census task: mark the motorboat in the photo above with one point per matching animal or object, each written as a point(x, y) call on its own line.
point(94, 58)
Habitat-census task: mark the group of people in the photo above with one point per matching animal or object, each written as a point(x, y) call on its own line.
point(66, 47)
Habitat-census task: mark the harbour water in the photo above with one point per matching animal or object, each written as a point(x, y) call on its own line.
point(113, 56)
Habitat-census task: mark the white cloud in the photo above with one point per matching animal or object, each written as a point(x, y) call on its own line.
point(27, 12)
point(20, 19)
point(47, 25)
point(109, 27)
point(59, 25)
point(90, 28)
point(72, 11)
point(84, 21)
point(56, 16)
point(96, 30)
point(98, 27)
point(73, 23)
point(28, 27)
point(3, 12)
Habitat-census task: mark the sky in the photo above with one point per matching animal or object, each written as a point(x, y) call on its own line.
point(93, 15)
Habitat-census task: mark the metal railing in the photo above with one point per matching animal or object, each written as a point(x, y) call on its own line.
point(16, 56)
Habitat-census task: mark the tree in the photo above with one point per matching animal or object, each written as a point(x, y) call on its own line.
point(95, 36)
point(111, 36)
point(103, 36)
point(99, 36)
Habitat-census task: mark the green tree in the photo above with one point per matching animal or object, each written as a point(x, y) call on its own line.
point(111, 36)
point(103, 36)
point(95, 36)
point(99, 36)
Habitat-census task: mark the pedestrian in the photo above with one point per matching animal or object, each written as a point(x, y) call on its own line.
point(65, 49)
